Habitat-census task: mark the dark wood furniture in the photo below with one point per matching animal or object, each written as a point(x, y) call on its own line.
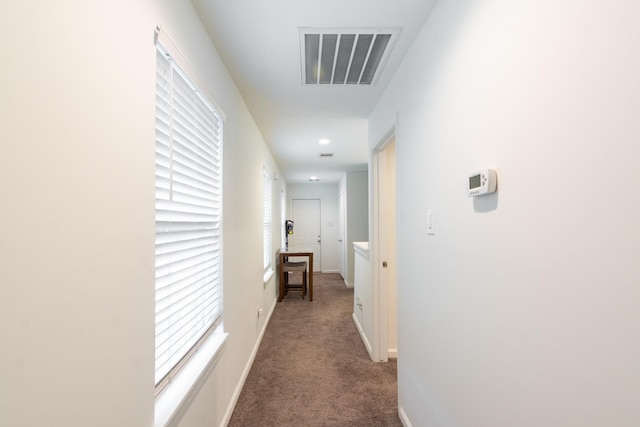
point(295, 267)
point(283, 255)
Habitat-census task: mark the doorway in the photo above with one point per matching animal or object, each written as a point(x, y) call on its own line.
point(342, 237)
point(384, 248)
point(306, 216)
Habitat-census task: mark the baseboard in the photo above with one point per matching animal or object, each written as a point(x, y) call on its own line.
point(403, 417)
point(363, 336)
point(347, 284)
point(392, 353)
point(247, 368)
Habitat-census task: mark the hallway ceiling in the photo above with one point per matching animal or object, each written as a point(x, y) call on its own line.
point(261, 43)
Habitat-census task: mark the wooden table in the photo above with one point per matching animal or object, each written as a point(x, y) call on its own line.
point(295, 252)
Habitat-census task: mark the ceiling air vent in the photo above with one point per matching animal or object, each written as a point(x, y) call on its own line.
point(326, 154)
point(344, 56)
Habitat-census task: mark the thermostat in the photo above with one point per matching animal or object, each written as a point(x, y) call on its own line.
point(481, 182)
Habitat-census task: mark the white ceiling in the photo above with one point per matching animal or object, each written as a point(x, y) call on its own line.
point(259, 42)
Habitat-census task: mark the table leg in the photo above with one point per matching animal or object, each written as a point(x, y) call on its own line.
point(311, 277)
point(281, 281)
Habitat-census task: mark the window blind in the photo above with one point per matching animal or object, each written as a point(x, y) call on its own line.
point(188, 218)
point(266, 230)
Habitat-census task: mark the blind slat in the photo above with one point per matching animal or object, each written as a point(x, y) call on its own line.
point(266, 230)
point(188, 216)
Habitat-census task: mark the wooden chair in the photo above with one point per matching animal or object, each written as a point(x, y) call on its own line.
point(293, 267)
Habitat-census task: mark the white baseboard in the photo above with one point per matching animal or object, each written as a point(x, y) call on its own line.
point(347, 284)
point(247, 368)
point(403, 417)
point(392, 353)
point(363, 336)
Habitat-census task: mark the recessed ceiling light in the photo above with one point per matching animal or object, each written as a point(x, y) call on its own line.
point(324, 141)
point(314, 178)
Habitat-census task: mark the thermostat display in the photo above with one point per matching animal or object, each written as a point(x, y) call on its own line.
point(481, 183)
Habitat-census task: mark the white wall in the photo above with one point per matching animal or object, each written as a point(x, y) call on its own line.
point(77, 210)
point(522, 309)
point(363, 296)
point(357, 215)
point(328, 193)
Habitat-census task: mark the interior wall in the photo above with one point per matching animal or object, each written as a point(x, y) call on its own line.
point(521, 309)
point(77, 229)
point(329, 194)
point(357, 215)
point(363, 306)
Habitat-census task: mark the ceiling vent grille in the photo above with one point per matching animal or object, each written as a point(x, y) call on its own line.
point(344, 56)
point(326, 154)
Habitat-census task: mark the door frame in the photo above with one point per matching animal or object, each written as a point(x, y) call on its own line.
point(342, 235)
point(379, 250)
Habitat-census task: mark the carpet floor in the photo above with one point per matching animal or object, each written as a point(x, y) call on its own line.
point(312, 369)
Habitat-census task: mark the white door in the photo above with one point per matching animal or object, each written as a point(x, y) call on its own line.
point(384, 252)
point(305, 214)
point(388, 229)
point(342, 253)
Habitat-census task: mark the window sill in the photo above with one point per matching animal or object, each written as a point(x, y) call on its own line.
point(171, 404)
point(267, 276)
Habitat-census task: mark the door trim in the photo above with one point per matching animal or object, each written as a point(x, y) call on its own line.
point(379, 248)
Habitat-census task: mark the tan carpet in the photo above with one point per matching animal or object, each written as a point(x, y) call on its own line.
point(312, 368)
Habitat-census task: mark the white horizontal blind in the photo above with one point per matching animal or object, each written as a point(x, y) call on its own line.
point(266, 223)
point(188, 218)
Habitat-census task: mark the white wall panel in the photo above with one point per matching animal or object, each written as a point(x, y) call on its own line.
point(521, 309)
point(77, 210)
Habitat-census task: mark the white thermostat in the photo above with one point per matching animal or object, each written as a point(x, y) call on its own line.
point(481, 182)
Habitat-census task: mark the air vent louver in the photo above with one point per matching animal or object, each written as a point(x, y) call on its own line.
point(344, 56)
